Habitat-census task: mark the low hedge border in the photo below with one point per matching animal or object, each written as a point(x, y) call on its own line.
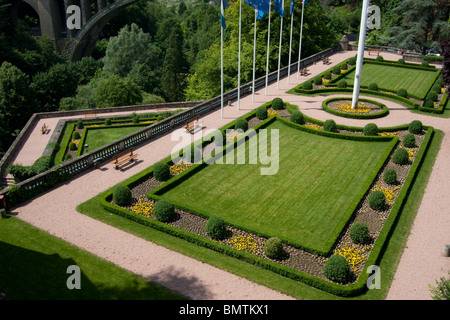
point(384, 112)
point(440, 109)
point(350, 290)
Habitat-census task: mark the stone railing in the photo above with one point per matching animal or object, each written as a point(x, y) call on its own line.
point(407, 55)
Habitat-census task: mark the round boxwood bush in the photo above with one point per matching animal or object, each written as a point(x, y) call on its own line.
point(164, 211)
point(297, 117)
point(336, 70)
point(342, 84)
point(352, 61)
point(377, 200)
point(307, 85)
point(337, 269)
point(161, 171)
point(80, 124)
point(409, 141)
point(241, 123)
point(318, 81)
point(327, 75)
point(159, 118)
point(277, 104)
point(379, 58)
point(400, 156)
point(432, 95)
point(329, 125)
point(428, 104)
point(216, 228)
point(436, 88)
point(72, 146)
point(107, 121)
point(390, 176)
point(424, 64)
point(273, 248)
point(122, 195)
point(373, 86)
point(370, 129)
point(344, 66)
point(261, 113)
point(402, 92)
point(76, 135)
point(359, 233)
point(401, 61)
point(415, 127)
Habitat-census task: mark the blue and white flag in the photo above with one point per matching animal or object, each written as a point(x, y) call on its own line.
point(222, 14)
point(292, 7)
point(279, 7)
point(261, 5)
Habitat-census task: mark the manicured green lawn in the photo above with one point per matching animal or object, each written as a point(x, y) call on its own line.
point(416, 82)
point(34, 266)
point(317, 180)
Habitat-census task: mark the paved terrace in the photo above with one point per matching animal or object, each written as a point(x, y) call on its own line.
point(422, 262)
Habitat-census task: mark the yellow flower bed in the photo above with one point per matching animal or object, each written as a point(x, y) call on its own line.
point(271, 112)
point(312, 126)
point(388, 133)
point(179, 167)
point(246, 243)
point(353, 255)
point(231, 135)
point(77, 142)
point(388, 193)
point(347, 108)
point(144, 207)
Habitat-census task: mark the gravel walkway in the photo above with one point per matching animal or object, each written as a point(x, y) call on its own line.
point(421, 264)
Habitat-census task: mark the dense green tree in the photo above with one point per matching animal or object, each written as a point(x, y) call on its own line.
point(115, 91)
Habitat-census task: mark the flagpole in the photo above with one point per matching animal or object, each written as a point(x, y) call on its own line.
point(239, 66)
point(254, 57)
point(290, 48)
point(300, 45)
point(279, 51)
point(221, 64)
point(268, 43)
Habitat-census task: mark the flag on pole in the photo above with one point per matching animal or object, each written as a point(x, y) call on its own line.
point(261, 5)
point(292, 7)
point(222, 14)
point(279, 7)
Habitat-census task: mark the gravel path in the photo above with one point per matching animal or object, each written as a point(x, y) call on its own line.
point(421, 264)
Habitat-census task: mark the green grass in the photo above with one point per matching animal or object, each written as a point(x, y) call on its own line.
point(34, 266)
point(417, 82)
point(317, 180)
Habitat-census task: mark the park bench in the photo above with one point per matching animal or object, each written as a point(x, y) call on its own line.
point(123, 157)
point(374, 50)
point(191, 124)
point(44, 129)
point(326, 60)
point(304, 71)
point(90, 113)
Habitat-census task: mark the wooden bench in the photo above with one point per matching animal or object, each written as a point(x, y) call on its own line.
point(326, 60)
point(123, 157)
point(374, 50)
point(90, 113)
point(304, 72)
point(191, 124)
point(44, 129)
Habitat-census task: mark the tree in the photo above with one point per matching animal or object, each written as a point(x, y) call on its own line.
point(445, 45)
point(115, 91)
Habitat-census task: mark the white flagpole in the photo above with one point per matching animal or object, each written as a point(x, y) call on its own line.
point(290, 48)
point(279, 51)
point(221, 64)
point(268, 43)
point(239, 66)
point(300, 45)
point(254, 57)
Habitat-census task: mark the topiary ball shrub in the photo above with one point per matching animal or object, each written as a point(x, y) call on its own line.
point(80, 124)
point(377, 200)
point(344, 66)
point(261, 113)
point(297, 117)
point(370, 129)
point(72, 146)
point(327, 75)
point(401, 61)
point(409, 141)
point(373, 86)
point(318, 81)
point(76, 135)
point(352, 61)
point(359, 233)
point(428, 104)
point(161, 171)
point(424, 64)
point(164, 211)
point(379, 58)
point(307, 85)
point(432, 95)
point(241, 123)
point(278, 104)
point(336, 70)
point(329, 125)
point(415, 127)
point(400, 156)
point(107, 121)
point(122, 195)
point(390, 176)
point(342, 84)
point(216, 228)
point(402, 93)
point(337, 269)
point(273, 248)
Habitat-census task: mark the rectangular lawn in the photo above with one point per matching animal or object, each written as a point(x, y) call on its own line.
point(304, 202)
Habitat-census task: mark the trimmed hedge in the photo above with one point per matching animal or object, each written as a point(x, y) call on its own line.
point(278, 104)
point(273, 248)
point(370, 129)
point(409, 140)
point(400, 156)
point(390, 176)
point(415, 127)
point(337, 269)
point(359, 233)
point(384, 110)
point(242, 124)
point(377, 200)
point(261, 113)
point(161, 171)
point(164, 211)
point(122, 195)
point(297, 117)
point(216, 228)
point(329, 125)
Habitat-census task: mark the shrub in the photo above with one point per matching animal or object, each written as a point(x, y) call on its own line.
point(401, 61)
point(41, 164)
point(409, 141)
point(19, 172)
point(352, 61)
point(80, 124)
point(327, 75)
point(428, 104)
point(261, 113)
point(67, 157)
point(318, 81)
point(425, 64)
point(76, 135)
point(297, 117)
point(277, 104)
point(108, 121)
point(377, 200)
point(432, 95)
point(122, 195)
point(400, 156)
point(336, 70)
point(379, 58)
point(164, 211)
point(373, 86)
point(307, 85)
point(159, 118)
point(370, 129)
point(161, 171)
point(216, 228)
point(342, 84)
point(241, 123)
point(344, 66)
point(135, 118)
point(337, 269)
point(329, 125)
point(72, 146)
point(273, 248)
point(359, 233)
point(436, 88)
point(402, 93)
point(415, 127)
point(390, 176)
